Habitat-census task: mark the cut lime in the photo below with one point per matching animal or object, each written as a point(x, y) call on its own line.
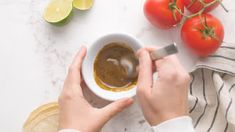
point(58, 11)
point(83, 4)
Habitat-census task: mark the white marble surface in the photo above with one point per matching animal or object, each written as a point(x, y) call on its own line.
point(35, 55)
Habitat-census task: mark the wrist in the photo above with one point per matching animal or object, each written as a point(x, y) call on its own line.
point(70, 126)
point(68, 130)
point(166, 116)
point(179, 124)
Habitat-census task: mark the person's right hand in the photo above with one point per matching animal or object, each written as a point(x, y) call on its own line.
point(166, 97)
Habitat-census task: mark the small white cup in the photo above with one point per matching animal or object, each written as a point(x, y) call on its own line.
point(88, 64)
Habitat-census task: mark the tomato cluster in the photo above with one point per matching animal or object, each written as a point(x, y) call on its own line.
point(201, 32)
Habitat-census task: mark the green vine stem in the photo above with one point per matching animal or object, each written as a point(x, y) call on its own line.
point(173, 6)
point(207, 31)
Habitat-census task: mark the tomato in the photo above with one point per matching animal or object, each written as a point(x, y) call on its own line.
point(161, 12)
point(203, 35)
point(195, 6)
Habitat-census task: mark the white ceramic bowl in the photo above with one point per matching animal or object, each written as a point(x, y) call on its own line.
point(88, 65)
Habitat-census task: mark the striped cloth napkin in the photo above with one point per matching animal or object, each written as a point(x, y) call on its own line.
point(212, 92)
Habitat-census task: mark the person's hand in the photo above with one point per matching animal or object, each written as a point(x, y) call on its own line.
point(166, 97)
point(75, 111)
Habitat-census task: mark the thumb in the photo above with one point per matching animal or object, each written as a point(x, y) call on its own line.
point(114, 108)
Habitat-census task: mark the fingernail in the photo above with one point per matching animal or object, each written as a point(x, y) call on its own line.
point(81, 47)
point(141, 55)
point(138, 52)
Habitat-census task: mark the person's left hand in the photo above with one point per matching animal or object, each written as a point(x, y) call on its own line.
point(75, 112)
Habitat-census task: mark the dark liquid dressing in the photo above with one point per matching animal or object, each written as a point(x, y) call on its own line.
point(108, 73)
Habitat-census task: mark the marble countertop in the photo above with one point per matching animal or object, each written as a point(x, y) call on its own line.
point(35, 55)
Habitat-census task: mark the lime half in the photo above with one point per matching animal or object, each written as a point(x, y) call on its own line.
point(83, 4)
point(58, 11)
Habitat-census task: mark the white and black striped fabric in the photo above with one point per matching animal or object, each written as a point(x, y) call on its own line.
point(212, 92)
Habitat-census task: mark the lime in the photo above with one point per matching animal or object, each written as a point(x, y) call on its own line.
point(58, 11)
point(83, 4)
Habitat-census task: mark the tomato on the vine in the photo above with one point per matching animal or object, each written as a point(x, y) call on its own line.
point(203, 34)
point(195, 6)
point(164, 13)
